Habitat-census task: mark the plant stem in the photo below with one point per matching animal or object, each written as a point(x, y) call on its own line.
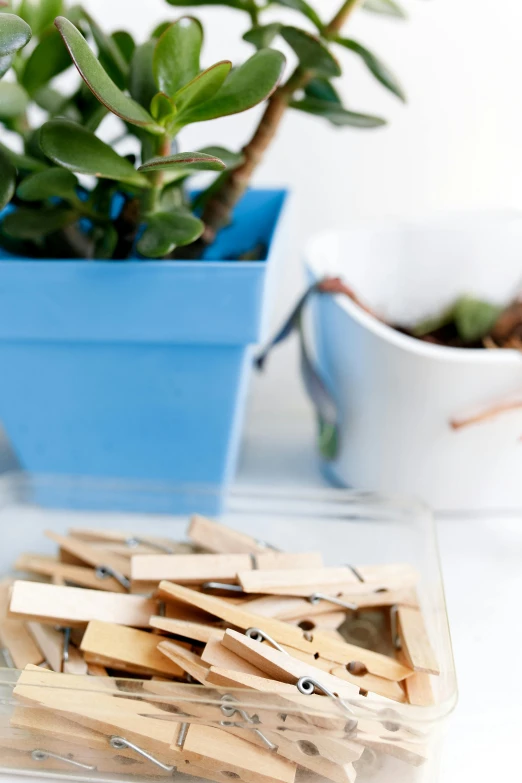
point(253, 10)
point(152, 195)
point(219, 208)
point(338, 21)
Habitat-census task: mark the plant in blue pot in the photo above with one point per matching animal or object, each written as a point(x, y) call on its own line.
point(129, 302)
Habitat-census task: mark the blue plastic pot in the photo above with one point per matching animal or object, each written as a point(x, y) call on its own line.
point(137, 370)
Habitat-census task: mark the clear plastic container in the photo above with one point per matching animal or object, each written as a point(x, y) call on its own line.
point(399, 744)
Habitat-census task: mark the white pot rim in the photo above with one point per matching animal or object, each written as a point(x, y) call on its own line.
point(475, 356)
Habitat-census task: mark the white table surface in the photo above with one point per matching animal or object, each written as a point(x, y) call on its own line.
point(482, 562)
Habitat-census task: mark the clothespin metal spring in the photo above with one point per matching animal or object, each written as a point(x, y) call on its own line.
point(257, 635)
point(208, 587)
point(182, 736)
point(315, 598)
point(44, 755)
point(104, 572)
point(120, 743)
point(307, 686)
point(229, 708)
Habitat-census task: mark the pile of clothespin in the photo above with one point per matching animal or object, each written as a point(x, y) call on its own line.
point(306, 668)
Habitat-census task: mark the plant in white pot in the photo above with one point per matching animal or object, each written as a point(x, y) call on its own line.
point(420, 355)
point(127, 302)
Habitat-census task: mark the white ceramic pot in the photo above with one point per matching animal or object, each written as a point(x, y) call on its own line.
point(396, 395)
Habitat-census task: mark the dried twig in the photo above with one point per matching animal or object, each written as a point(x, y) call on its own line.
point(487, 413)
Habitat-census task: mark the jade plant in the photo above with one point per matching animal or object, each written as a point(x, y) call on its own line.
point(64, 192)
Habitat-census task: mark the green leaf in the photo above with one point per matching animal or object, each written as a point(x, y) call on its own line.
point(386, 7)
point(172, 197)
point(434, 322)
point(14, 34)
point(13, 100)
point(40, 14)
point(232, 160)
point(336, 114)
point(313, 54)
point(98, 81)
point(379, 69)
point(78, 149)
point(262, 36)
point(162, 108)
point(22, 162)
point(246, 86)
point(142, 86)
point(191, 161)
point(6, 62)
point(322, 89)
point(203, 87)
point(51, 100)
point(125, 43)
point(474, 318)
point(110, 56)
point(25, 223)
point(166, 231)
point(160, 29)
point(304, 8)
point(51, 183)
point(7, 180)
point(177, 53)
point(47, 60)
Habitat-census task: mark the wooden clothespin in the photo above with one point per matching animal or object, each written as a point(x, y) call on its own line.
point(288, 635)
point(129, 543)
point(74, 574)
point(308, 752)
point(298, 710)
point(392, 576)
point(148, 570)
point(296, 582)
point(106, 563)
point(411, 752)
point(359, 596)
point(359, 581)
point(55, 729)
point(46, 730)
point(218, 751)
point(198, 632)
point(204, 750)
point(97, 704)
point(16, 643)
point(370, 683)
point(411, 637)
point(216, 654)
point(186, 660)
point(74, 607)
point(283, 667)
point(215, 537)
point(419, 690)
point(126, 649)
